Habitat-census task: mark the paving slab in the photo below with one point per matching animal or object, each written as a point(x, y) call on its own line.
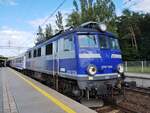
point(141, 79)
point(140, 75)
point(29, 96)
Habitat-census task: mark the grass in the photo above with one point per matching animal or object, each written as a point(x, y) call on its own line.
point(138, 69)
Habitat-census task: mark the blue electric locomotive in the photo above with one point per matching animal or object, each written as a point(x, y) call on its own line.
point(84, 61)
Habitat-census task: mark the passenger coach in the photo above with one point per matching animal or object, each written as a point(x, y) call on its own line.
point(18, 62)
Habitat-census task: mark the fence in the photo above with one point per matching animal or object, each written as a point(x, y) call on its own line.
point(137, 66)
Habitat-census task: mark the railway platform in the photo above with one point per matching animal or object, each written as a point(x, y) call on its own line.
point(138, 75)
point(140, 79)
point(21, 94)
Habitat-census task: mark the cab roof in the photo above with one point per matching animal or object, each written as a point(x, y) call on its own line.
point(67, 32)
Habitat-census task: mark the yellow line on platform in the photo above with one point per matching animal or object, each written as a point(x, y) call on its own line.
point(50, 97)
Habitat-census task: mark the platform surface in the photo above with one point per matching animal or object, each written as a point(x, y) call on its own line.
point(21, 94)
point(139, 75)
point(142, 80)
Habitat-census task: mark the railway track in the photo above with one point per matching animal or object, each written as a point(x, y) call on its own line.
point(145, 91)
point(113, 109)
point(126, 110)
point(136, 101)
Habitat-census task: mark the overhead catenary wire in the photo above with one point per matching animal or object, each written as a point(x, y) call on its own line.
point(127, 1)
point(14, 47)
point(44, 22)
point(52, 14)
point(131, 3)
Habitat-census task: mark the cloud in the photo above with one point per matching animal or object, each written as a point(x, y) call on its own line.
point(18, 38)
point(118, 12)
point(39, 21)
point(138, 5)
point(142, 5)
point(8, 2)
point(10, 38)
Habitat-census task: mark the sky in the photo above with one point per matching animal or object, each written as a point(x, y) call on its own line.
point(19, 20)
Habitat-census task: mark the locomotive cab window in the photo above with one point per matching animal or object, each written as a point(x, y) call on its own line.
point(49, 49)
point(113, 42)
point(87, 41)
point(108, 42)
point(68, 44)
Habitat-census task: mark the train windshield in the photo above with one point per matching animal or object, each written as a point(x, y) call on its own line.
point(87, 41)
point(108, 42)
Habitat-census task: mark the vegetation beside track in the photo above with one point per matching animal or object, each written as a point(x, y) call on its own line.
point(138, 69)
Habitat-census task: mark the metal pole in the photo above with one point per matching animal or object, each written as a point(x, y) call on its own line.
point(126, 66)
point(54, 73)
point(5, 63)
point(57, 74)
point(142, 66)
point(57, 69)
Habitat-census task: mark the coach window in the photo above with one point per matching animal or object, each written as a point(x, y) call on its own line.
point(29, 54)
point(68, 44)
point(49, 49)
point(34, 53)
point(39, 52)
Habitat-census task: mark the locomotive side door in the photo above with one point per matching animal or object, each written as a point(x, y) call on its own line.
point(55, 64)
point(55, 58)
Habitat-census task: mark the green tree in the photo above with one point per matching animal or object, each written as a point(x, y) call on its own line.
point(93, 10)
point(48, 31)
point(126, 29)
point(40, 35)
point(59, 21)
point(73, 19)
point(144, 41)
point(133, 30)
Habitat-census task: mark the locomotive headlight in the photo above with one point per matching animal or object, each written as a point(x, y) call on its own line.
point(120, 68)
point(92, 69)
point(102, 27)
